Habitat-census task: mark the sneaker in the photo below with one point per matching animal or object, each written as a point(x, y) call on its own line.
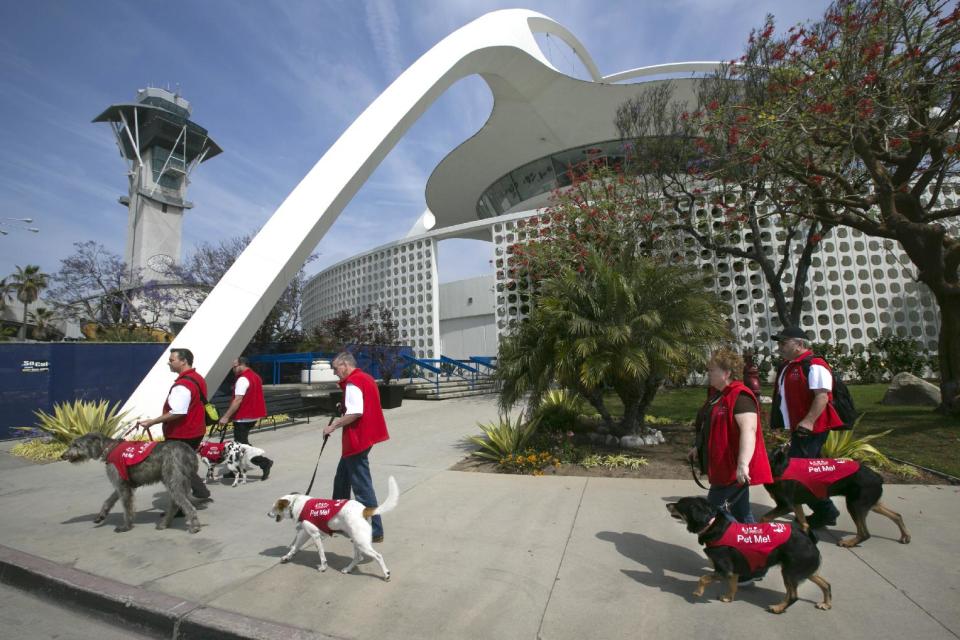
point(745, 582)
point(266, 470)
point(378, 538)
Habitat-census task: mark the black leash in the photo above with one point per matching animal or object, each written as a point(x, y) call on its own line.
point(696, 478)
point(322, 447)
point(728, 501)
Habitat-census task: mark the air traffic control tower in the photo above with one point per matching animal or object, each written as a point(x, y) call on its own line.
point(161, 147)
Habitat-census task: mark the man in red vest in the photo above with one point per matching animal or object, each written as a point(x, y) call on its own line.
point(246, 408)
point(184, 417)
point(363, 426)
point(803, 403)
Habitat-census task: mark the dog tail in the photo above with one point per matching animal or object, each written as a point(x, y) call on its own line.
point(389, 504)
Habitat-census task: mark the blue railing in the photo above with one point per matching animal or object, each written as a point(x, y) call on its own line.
point(275, 360)
point(434, 369)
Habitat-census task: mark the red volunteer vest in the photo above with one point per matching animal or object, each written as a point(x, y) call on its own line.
point(817, 474)
point(800, 397)
point(252, 407)
point(724, 444)
point(128, 454)
point(193, 423)
point(371, 428)
point(213, 451)
point(754, 541)
point(318, 512)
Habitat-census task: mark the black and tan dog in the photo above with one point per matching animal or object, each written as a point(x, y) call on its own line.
point(861, 490)
point(795, 551)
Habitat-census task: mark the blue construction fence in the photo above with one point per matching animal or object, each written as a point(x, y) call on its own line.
point(38, 375)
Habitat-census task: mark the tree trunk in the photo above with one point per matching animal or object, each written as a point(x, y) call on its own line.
point(23, 327)
point(595, 398)
point(634, 412)
point(949, 357)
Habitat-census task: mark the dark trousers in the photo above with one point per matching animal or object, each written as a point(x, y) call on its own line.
point(197, 486)
point(241, 433)
point(809, 446)
point(739, 509)
point(353, 472)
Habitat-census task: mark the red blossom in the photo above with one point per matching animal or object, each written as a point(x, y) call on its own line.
point(824, 108)
point(815, 238)
point(713, 106)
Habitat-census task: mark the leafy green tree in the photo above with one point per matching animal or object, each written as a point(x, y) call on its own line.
point(860, 111)
point(625, 327)
point(28, 282)
point(43, 323)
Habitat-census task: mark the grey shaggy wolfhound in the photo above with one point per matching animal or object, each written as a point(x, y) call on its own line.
point(171, 462)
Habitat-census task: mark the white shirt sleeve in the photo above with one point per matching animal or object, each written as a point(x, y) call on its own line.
point(240, 386)
point(353, 400)
point(783, 404)
point(179, 399)
point(820, 378)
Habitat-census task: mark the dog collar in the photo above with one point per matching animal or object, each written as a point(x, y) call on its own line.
point(701, 532)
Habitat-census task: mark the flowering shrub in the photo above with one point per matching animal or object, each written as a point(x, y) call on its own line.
point(530, 461)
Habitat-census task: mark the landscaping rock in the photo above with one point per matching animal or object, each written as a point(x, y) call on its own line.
point(632, 442)
point(908, 389)
point(612, 441)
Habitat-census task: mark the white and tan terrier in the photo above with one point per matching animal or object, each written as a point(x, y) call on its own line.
point(317, 516)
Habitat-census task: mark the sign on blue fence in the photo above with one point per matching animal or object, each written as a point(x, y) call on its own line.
point(38, 375)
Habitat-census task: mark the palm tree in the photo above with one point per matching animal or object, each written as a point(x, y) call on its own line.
point(624, 327)
point(43, 320)
point(28, 282)
point(5, 289)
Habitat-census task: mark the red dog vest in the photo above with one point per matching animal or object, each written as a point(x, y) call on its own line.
point(754, 541)
point(213, 451)
point(818, 474)
point(318, 512)
point(128, 454)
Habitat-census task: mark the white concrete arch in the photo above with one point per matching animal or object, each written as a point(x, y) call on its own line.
point(499, 46)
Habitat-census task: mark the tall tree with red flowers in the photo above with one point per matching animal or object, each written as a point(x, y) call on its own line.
point(858, 114)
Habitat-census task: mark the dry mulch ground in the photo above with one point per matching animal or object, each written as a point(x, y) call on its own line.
point(664, 461)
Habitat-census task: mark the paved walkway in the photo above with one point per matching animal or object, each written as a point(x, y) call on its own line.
point(472, 555)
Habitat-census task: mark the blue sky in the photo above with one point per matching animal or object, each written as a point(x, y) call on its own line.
point(275, 83)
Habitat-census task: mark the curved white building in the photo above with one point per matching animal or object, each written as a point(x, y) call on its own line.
point(858, 286)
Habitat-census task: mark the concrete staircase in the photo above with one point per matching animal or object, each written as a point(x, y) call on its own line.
point(452, 388)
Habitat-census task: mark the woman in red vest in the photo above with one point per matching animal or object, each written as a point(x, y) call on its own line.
point(363, 426)
point(730, 443)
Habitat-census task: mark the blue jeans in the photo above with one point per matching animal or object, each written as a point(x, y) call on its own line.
point(740, 509)
point(353, 472)
point(809, 447)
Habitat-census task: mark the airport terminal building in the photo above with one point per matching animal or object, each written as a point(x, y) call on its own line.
point(859, 286)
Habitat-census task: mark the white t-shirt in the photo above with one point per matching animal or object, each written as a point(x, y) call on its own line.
point(240, 386)
point(353, 400)
point(179, 399)
point(819, 377)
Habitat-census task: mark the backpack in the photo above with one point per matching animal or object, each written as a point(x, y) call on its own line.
point(842, 400)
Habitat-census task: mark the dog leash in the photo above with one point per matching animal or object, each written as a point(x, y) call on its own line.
point(322, 447)
point(696, 478)
point(728, 501)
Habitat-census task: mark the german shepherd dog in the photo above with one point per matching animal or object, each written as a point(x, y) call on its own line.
point(797, 556)
point(861, 490)
point(171, 462)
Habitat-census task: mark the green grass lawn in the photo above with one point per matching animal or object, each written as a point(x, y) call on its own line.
point(918, 434)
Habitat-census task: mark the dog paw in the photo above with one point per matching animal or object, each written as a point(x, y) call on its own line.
point(726, 598)
point(100, 518)
point(698, 592)
point(848, 542)
point(777, 608)
point(194, 528)
point(161, 525)
point(386, 578)
point(905, 539)
point(824, 606)
point(321, 567)
point(122, 529)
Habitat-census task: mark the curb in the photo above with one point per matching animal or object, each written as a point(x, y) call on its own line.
point(125, 605)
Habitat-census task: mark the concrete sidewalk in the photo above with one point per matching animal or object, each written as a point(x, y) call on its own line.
point(471, 555)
